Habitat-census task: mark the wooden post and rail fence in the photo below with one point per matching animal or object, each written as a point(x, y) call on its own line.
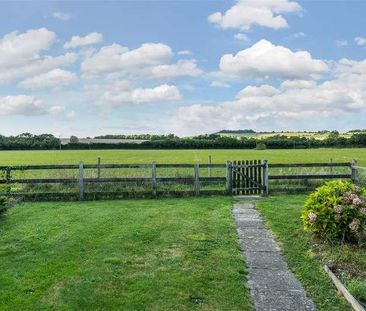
point(249, 177)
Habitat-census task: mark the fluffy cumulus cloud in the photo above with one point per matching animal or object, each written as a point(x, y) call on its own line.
point(20, 48)
point(266, 60)
point(22, 55)
point(149, 61)
point(77, 41)
point(247, 13)
point(21, 105)
point(294, 103)
point(55, 78)
point(121, 93)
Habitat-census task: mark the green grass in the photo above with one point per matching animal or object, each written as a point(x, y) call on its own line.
point(306, 257)
point(180, 156)
point(173, 254)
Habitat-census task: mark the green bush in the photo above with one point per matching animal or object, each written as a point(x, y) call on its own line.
point(336, 212)
point(261, 146)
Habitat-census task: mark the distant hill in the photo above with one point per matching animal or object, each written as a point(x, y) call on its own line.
point(236, 131)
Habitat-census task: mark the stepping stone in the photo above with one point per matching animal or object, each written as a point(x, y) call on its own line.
point(272, 285)
point(254, 233)
point(259, 245)
point(271, 260)
point(281, 301)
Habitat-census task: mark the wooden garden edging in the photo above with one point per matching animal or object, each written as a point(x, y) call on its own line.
point(344, 291)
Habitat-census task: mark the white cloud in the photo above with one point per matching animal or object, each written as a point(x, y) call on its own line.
point(77, 41)
point(220, 84)
point(71, 115)
point(254, 91)
point(181, 68)
point(184, 53)
point(360, 41)
point(61, 15)
point(241, 37)
point(55, 78)
point(122, 94)
point(36, 67)
point(21, 105)
point(149, 61)
point(265, 60)
point(297, 84)
point(296, 103)
point(247, 13)
point(19, 48)
point(57, 110)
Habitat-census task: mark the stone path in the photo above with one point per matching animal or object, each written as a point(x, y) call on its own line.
point(272, 285)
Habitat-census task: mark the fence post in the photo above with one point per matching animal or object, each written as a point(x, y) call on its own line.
point(209, 166)
point(81, 181)
point(8, 178)
point(229, 177)
point(153, 178)
point(265, 177)
point(331, 168)
point(98, 174)
point(197, 179)
point(354, 170)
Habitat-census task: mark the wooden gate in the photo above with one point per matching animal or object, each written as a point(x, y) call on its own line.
point(247, 177)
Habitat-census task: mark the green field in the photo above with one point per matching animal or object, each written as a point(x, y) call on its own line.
point(315, 135)
point(181, 156)
point(176, 254)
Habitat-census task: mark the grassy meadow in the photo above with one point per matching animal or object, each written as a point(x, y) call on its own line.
point(172, 254)
point(181, 156)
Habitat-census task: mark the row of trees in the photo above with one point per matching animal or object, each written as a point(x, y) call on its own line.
point(28, 141)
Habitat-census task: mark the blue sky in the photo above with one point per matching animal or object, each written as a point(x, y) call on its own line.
point(187, 67)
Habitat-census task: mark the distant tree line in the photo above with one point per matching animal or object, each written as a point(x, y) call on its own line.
point(28, 141)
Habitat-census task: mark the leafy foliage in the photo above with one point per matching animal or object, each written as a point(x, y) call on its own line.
point(336, 211)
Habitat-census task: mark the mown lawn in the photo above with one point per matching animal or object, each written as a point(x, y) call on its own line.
point(306, 256)
point(181, 156)
point(173, 254)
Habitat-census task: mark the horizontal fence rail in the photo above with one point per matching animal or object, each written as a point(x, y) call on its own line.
point(152, 177)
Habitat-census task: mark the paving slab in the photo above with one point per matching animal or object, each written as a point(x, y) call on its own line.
point(281, 301)
point(259, 245)
point(270, 260)
point(272, 285)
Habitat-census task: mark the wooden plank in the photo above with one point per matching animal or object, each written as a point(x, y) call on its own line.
point(255, 176)
point(260, 168)
point(320, 176)
point(343, 290)
point(209, 166)
point(265, 178)
point(98, 171)
point(197, 179)
point(334, 164)
point(229, 177)
point(251, 175)
point(234, 177)
point(153, 178)
point(354, 171)
point(81, 181)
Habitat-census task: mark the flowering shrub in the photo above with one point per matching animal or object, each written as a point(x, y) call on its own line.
point(336, 211)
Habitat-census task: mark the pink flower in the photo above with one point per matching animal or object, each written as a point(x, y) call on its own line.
point(355, 224)
point(363, 210)
point(312, 216)
point(356, 201)
point(338, 209)
point(357, 189)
